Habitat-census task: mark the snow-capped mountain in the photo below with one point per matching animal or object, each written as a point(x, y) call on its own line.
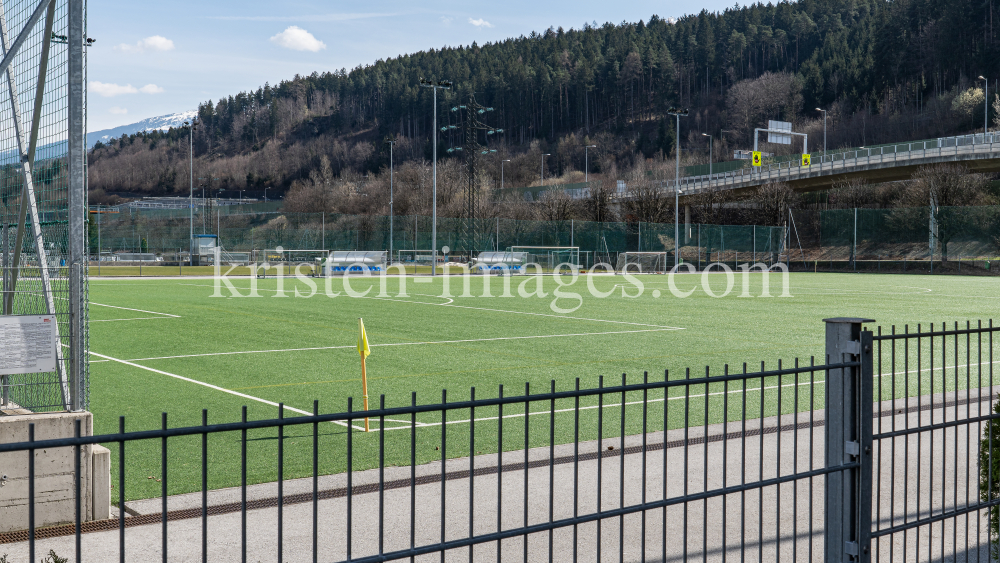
point(162, 123)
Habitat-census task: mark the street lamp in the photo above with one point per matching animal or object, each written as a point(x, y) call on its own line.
point(390, 142)
point(986, 103)
point(678, 113)
point(710, 152)
point(265, 192)
point(824, 129)
point(586, 162)
point(445, 85)
point(191, 125)
point(501, 173)
point(543, 167)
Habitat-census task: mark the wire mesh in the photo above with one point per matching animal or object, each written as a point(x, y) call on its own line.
point(41, 258)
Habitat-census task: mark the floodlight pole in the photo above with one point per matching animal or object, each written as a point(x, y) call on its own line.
point(501, 173)
point(586, 162)
point(710, 152)
point(191, 127)
point(446, 85)
point(677, 185)
point(543, 167)
point(986, 103)
point(824, 130)
point(390, 143)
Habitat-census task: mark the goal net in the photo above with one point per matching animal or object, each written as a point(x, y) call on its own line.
point(548, 257)
point(644, 262)
point(419, 257)
point(288, 260)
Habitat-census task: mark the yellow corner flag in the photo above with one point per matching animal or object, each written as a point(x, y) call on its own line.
point(363, 348)
point(363, 351)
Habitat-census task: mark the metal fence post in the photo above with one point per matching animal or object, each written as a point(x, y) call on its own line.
point(848, 439)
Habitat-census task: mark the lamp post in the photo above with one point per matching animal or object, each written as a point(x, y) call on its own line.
point(191, 125)
point(710, 152)
point(501, 173)
point(390, 142)
point(986, 104)
point(824, 129)
point(446, 85)
point(678, 113)
point(586, 162)
point(543, 167)
point(265, 192)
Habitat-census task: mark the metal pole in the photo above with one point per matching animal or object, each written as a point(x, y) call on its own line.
point(390, 201)
point(434, 211)
point(848, 440)
point(77, 203)
point(677, 196)
point(191, 194)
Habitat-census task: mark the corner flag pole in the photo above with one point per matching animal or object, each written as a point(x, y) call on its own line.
point(364, 351)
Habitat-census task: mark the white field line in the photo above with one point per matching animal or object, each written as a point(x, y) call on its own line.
point(352, 346)
point(119, 320)
point(659, 400)
point(210, 386)
point(483, 309)
point(136, 310)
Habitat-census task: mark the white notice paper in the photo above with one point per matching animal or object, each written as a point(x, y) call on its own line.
point(27, 344)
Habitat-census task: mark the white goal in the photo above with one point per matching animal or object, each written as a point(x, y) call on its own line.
point(643, 262)
point(417, 257)
point(548, 257)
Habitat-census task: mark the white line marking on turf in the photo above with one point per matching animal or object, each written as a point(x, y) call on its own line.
point(131, 319)
point(352, 346)
point(748, 389)
point(488, 309)
point(210, 386)
point(136, 310)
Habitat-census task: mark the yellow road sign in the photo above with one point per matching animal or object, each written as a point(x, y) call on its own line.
point(806, 159)
point(756, 158)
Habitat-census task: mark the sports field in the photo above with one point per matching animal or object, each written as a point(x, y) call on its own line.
point(167, 345)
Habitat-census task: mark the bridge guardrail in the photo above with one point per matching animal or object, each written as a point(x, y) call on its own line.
point(838, 160)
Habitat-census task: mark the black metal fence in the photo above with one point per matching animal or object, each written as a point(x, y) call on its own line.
point(872, 454)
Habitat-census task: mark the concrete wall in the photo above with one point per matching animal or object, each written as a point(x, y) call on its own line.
point(54, 473)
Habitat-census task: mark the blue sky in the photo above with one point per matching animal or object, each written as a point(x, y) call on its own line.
point(156, 58)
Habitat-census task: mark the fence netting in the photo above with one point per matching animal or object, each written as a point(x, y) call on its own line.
point(34, 245)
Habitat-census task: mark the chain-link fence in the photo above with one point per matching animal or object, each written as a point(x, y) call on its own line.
point(37, 129)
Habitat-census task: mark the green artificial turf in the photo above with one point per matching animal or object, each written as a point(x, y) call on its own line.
point(295, 350)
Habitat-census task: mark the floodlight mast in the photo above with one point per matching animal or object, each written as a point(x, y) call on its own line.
point(678, 113)
point(986, 102)
point(191, 125)
point(710, 152)
point(390, 142)
point(586, 162)
point(445, 85)
point(824, 129)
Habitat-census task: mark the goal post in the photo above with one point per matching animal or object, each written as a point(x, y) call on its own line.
point(290, 259)
point(548, 257)
point(416, 257)
point(643, 262)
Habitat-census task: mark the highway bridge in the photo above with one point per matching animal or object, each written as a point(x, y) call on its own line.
point(883, 163)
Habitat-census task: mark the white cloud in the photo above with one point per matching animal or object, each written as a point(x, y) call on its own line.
point(480, 22)
point(447, 20)
point(152, 43)
point(108, 90)
point(118, 111)
point(298, 39)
